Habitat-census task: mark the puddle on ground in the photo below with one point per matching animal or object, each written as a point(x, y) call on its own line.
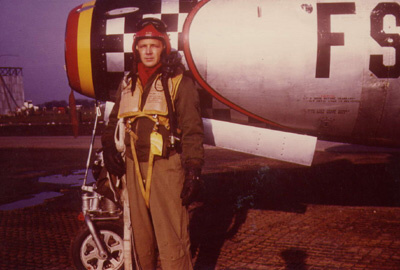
point(37, 199)
point(74, 180)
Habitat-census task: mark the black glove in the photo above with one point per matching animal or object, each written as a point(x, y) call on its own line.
point(113, 161)
point(192, 186)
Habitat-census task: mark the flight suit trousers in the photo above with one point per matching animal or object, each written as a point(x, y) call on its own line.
point(164, 225)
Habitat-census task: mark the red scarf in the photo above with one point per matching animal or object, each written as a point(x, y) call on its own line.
point(146, 72)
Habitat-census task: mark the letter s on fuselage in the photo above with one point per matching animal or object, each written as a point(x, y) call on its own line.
point(325, 68)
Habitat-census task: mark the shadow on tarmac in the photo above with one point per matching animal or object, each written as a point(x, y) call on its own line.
point(295, 259)
point(228, 196)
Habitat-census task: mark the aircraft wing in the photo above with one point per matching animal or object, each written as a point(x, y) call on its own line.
point(263, 142)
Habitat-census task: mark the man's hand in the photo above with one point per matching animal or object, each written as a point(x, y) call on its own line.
point(192, 186)
point(113, 161)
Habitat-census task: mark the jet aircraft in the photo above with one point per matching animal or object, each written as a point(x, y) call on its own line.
point(274, 75)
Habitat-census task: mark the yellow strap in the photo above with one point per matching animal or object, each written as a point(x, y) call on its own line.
point(162, 120)
point(148, 180)
point(141, 114)
point(145, 191)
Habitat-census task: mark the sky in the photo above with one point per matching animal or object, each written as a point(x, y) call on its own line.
point(32, 37)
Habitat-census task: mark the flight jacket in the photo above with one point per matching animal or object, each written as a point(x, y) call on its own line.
point(188, 115)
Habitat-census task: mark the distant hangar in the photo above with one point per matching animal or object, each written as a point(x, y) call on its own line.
point(11, 90)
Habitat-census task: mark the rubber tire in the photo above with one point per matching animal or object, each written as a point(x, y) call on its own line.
point(84, 236)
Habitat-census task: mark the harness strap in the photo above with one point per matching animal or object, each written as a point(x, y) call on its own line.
point(142, 182)
point(159, 119)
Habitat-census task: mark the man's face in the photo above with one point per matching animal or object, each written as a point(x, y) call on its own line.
point(150, 50)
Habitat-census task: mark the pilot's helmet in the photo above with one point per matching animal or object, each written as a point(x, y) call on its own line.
point(151, 28)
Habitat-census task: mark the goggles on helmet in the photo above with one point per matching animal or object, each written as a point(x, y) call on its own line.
point(158, 24)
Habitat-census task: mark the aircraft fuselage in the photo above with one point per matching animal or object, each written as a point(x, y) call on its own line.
point(325, 68)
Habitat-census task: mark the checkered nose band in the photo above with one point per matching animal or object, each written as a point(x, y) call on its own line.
point(104, 41)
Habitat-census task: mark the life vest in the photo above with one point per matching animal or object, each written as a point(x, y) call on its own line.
point(156, 104)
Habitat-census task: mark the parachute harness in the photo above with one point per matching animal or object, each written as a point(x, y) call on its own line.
point(156, 147)
point(170, 65)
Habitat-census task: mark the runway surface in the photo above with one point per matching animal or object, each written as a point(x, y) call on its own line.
point(343, 212)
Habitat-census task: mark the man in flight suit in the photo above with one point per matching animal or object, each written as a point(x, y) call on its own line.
point(164, 148)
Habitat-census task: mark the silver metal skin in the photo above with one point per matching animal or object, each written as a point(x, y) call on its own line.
point(265, 57)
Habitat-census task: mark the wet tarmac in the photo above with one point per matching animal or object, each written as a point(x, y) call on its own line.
point(343, 212)
point(74, 179)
